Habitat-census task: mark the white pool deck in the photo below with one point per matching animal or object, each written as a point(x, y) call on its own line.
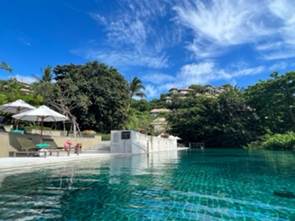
point(11, 164)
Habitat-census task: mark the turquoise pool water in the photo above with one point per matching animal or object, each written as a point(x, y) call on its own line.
point(188, 185)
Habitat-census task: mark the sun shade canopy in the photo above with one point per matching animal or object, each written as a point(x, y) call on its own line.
point(17, 106)
point(41, 114)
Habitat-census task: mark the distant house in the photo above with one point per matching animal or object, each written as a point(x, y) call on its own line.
point(159, 124)
point(24, 88)
point(156, 112)
point(180, 91)
point(183, 93)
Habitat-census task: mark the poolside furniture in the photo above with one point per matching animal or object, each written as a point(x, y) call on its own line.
point(27, 147)
point(15, 107)
point(50, 146)
point(42, 146)
point(41, 114)
point(51, 143)
point(25, 143)
point(17, 131)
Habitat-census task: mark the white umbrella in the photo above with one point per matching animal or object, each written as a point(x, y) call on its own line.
point(17, 106)
point(41, 114)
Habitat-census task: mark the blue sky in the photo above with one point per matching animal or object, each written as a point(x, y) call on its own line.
point(167, 43)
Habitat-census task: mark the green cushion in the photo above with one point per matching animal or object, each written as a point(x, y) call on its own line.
point(18, 131)
point(42, 145)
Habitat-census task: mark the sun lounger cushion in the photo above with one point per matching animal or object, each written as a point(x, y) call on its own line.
point(42, 145)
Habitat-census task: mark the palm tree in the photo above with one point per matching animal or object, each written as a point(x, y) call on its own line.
point(44, 85)
point(47, 74)
point(136, 88)
point(6, 67)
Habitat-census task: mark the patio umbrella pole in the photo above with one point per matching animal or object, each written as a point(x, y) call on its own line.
point(42, 121)
point(16, 121)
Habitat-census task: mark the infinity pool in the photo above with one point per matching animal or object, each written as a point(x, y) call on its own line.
point(188, 185)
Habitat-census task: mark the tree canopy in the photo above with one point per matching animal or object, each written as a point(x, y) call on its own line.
point(97, 97)
point(12, 89)
point(223, 121)
point(98, 94)
point(6, 67)
point(274, 102)
point(136, 88)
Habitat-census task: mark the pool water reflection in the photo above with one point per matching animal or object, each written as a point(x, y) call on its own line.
point(185, 185)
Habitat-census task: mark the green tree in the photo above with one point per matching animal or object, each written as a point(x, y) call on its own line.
point(136, 88)
point(11, 90)
point(274, 102)
point(47, 74)
point(141, 105)
point(222, 121)
point(138, 120)
point(6, 67)
point(44, 86)
point(95, 93)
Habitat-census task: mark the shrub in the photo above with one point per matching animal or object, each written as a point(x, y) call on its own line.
point(105, 136)
point(88, 133)
point(275, 142)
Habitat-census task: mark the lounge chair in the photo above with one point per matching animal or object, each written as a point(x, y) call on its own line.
point(26, 147)
point(25, 144)
point(51, 143)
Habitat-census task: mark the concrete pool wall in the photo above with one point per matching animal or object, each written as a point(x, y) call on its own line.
point(128, 141)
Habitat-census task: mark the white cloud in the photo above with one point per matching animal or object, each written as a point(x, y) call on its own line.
point(196, 73)
point(127, 31)
point(200, 73)
point(203, 73)
point(99, 18)
point(224, 22)
point(203, 49)
point(279, 54)
point(139, 32)
point(132, 35)
point(126, 58)
point(284, 9)
point(269, 45)
point(282, 46)
point(151, 91)
point(25, 79)
point(278, 66)
point(157, 78)
point(220, 24)
point(206, 72)
point(25, 42)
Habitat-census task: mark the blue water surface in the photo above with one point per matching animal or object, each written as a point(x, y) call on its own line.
point(216, 184)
